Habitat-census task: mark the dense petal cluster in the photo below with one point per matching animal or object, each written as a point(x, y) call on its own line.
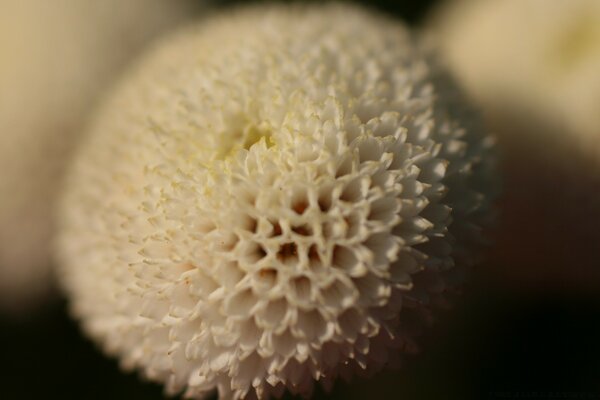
point(55, 58)
point(540, 57)
point(270, 198)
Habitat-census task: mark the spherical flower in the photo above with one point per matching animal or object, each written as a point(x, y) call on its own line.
point(533, 67)
point(55, 58)
point(269, 199)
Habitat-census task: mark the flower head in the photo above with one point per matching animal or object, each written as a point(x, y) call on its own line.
point(267, 199)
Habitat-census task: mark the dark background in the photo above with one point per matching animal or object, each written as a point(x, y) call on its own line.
point(500, 341)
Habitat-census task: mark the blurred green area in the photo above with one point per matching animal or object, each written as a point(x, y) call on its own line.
point(494, 344)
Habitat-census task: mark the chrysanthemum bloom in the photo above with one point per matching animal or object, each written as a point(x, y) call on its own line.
point(533, 67)
point(55, 57)
point(269, 199)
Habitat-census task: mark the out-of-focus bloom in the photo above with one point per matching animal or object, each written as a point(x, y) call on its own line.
point(55, 57)
point(269, 199)
point(533, 66)
point(536, 56)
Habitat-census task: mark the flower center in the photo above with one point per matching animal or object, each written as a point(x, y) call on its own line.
point(244, 138)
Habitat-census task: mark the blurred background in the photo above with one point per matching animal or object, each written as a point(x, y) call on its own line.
point(507, 337)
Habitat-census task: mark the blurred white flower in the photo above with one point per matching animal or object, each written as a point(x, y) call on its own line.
point(540, 57)
point(269, 199)
point(55, 57)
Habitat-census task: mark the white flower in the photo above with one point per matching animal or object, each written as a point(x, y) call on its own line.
point(539, 57)
point(55, 57)
point(269, 199)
